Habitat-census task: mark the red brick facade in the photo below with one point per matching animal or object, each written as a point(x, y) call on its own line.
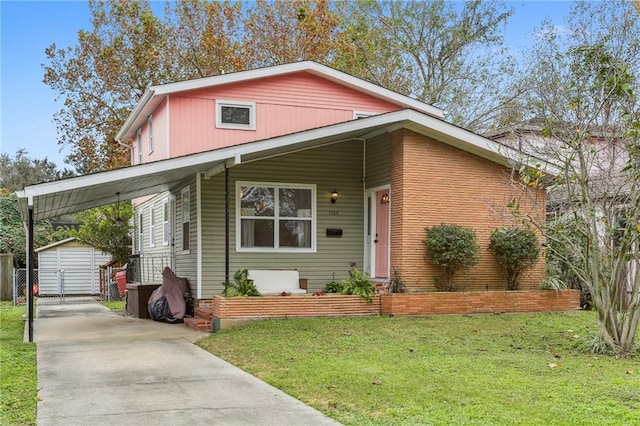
point(434, 183)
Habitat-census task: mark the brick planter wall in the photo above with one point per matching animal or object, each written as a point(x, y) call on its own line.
point(231, 311)
point(480, 302)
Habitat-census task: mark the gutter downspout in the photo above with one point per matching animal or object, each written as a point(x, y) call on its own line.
point(129, 147)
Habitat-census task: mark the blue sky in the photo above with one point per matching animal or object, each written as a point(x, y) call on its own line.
point(27, 105)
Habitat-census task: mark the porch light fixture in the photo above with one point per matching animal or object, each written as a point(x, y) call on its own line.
point(384, 199)
point(334, 196)
point(118, 219)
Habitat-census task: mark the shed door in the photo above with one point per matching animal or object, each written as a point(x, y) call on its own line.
point(77, 271)
point(48, 273)
point(381, 237)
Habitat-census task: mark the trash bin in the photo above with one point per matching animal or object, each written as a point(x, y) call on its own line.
point(121, 279)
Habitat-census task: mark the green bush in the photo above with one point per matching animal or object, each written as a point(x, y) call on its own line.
point(242, 286)
point(516, 249)
point(453, 249)
point(359, 284)
point(334, 287)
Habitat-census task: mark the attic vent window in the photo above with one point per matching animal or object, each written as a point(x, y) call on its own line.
point(235, 115)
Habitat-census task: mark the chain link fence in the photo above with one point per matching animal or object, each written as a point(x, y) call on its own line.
point(20, 285)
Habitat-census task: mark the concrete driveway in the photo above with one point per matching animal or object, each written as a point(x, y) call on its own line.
point(96, 367)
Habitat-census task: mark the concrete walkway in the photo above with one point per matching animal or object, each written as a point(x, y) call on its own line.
point(96, 367)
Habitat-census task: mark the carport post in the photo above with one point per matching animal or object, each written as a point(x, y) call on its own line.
point(30, 271)
point(226, 223)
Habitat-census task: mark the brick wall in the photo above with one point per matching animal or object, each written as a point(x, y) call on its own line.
point(234, 311)
point(480, 302)
point(294, 306)
point(434, 183)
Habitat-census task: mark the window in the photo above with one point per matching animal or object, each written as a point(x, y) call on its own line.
point(150, 130)
point(139, 146)
point(152, 226)
point(165, 223)
point(276, 217)
point(235, 115)
point(186, 219)
point(140, 233)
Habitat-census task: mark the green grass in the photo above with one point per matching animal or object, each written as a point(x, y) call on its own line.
point(114, 305)
point(493, 369)
point(18, 371)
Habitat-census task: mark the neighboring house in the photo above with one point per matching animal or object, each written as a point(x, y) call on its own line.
point(301, 167)
point(69, 267)
point(390, 181)
point(605, 161)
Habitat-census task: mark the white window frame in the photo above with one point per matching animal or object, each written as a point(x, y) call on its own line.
point(236, 104)
point(276, 218)
point(152, 225)
point(186, 219)
point(150, 132)
point(165, 222)
point(140, 231)
point(139, 146)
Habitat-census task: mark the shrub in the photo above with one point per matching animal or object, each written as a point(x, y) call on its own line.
point(334, 287)
point(516, 249)
point(453, 249)
point(359, 284)
point(242, 286)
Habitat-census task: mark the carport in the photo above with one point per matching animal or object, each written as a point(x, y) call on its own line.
point(51, 199)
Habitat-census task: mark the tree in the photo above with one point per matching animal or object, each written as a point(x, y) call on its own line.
point(101, 79)
point(583, 89)
point(100, 228)
point(19, 171)
point(203, 38)
point(286, 31)
point(442, 53)
point(12, 231)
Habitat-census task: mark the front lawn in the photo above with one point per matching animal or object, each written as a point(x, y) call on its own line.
point(18, 371)
point(489, 369)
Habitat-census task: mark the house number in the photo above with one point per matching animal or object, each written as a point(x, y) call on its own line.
point(333, 212)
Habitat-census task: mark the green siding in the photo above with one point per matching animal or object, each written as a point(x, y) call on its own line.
point(336, 166)
point(378, 164)
point(186, 263)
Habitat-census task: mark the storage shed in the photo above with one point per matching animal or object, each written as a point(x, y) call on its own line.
point(69, 267)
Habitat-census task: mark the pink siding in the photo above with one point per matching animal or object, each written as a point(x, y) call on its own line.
point(160, 151)
point(285, 104)
point(160, 137)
